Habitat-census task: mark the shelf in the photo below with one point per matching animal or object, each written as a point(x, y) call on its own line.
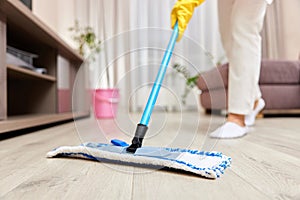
point(22, 73)
point(18, 14)
point(27, 98)
point(27, 121)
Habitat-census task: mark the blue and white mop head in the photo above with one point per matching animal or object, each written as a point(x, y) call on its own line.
point(207, 164)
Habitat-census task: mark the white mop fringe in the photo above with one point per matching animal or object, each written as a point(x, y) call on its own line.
point(207, 164)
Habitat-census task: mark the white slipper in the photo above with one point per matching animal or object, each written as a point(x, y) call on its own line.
point(250, 118)
point(229, 130)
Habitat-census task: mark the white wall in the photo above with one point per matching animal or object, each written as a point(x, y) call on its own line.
point(46, 11)
point(60, 15)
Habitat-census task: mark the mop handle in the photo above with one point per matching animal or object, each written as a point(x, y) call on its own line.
point(143, 125)
point(159, 78)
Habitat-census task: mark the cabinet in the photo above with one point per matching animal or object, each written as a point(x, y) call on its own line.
point(27, 98)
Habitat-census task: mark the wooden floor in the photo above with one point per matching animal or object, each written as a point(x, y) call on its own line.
point(265, 163)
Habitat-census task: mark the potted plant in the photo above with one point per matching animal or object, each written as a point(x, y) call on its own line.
point(104, 100)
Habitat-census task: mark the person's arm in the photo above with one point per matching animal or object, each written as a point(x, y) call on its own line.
point(183, 11)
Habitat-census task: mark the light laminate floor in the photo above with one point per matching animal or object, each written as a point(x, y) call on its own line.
point(266, 162)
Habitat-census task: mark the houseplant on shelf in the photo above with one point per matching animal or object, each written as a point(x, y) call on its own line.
point(104, 100)
point(86, 40)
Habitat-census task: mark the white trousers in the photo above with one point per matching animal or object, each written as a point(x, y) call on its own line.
point(240, 24)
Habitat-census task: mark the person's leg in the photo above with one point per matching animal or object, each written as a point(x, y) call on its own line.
point(225, 10)
point(244, 64)
point(245, 59)
point(243, 89)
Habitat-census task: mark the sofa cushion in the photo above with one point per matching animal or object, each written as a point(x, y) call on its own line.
point(280, 72)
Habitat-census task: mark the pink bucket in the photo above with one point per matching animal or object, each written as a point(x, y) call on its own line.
point(105, 103)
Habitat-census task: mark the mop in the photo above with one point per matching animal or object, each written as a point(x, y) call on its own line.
point(206, 164)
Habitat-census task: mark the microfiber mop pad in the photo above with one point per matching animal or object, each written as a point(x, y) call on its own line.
point(206, 164)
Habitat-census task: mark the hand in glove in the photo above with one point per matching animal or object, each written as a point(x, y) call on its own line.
point(182, 12)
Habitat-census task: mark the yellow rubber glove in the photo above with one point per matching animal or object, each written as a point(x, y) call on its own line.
point(183, 12)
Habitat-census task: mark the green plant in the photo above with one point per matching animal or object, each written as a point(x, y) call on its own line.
point(86, 39)
point(191, 81)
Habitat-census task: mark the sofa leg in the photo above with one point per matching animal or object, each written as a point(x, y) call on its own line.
point(207, 111)
point(215, 112)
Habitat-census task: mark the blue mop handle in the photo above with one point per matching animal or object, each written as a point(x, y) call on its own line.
point(159, 78)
